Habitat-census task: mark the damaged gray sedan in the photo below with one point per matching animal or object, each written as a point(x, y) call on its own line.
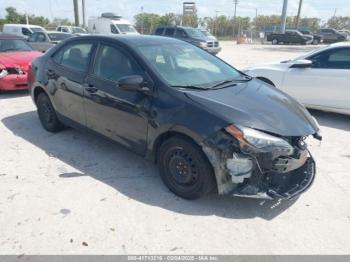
point(207, 125)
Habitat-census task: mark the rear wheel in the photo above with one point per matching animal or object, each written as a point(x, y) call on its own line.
point(315, 42)
point(184, 168)
point(47, 114)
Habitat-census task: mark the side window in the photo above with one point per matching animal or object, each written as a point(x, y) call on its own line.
point(112, 64)
point(169, 31)
point(159, 31)
point(40, 37)
point(340, 59)
point(59, 29)
point(32, 38)
point(335, 59)
point(65, 29)
point(75, 56)
point(26, 32)
point(180, 33)
point(114, 29)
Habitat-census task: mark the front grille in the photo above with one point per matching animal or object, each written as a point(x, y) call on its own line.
point(216, 44)
point(210, 44)
point(14, 71)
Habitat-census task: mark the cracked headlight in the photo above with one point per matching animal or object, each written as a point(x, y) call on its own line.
point(3, 73)
point(258, 140)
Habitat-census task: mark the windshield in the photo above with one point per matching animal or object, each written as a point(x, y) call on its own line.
point(58, 36)
point(36, 29)
point(206, 33)
point(182, 64)
point(14, 45)
point(125, 28)
point(194, 33)
point(78, 30)
point(305, 56)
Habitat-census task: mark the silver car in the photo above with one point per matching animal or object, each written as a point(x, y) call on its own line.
point(42, 41)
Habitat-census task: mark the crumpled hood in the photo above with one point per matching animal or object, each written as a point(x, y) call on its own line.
point(257, 105)
point(14, 59)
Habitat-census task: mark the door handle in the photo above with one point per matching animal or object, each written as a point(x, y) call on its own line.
point(50, 73)
point(91, 89)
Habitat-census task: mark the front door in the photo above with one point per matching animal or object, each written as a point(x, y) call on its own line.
point(325, 84)
point(118, 114)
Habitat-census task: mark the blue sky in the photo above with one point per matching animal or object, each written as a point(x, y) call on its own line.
point(128, 8)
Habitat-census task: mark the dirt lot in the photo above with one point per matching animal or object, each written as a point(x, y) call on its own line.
point(71, 192)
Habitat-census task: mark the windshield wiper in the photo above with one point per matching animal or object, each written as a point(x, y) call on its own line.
point(190, 87)
point(224, 82)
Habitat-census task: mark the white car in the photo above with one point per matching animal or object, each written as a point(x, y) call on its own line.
point(319, 79)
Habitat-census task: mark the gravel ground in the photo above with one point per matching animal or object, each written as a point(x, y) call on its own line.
point(74, 193)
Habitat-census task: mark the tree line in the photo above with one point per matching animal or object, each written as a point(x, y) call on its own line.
point(14, 17)
point(221, 26)
point(228, 26)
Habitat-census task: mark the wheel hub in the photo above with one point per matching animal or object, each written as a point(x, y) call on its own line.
point(181, 168)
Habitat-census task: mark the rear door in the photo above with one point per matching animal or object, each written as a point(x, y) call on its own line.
point(118, 114)
point(66, 72)
point(326, 83)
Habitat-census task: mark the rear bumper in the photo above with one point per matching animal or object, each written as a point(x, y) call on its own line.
point(14, 82)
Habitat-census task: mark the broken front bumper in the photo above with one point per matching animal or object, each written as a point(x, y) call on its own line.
point(261, 174)
point(276, 185)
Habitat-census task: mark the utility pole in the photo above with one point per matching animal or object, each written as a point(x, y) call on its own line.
point(76, 12)
point(235, 2)
point(335, 12)
point(284, 16)
point(84, 12)
point(298, 15)
point(142, 20)
point(216, 22)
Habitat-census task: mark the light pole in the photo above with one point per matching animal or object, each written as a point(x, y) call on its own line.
point(235, 2)
point(284, 16)
point(84, 12)
point(142, 20)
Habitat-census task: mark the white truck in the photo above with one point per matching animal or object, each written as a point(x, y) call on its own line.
point(23, 30)
point(109, 23)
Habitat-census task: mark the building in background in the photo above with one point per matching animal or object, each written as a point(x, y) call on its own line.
point(189, 8)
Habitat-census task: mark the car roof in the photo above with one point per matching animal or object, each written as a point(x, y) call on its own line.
point(57, 32)
point(23, 25)
point(9, 36)
point(133, 40)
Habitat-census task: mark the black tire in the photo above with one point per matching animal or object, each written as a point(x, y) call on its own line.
point(184, 168)
point(47, 114)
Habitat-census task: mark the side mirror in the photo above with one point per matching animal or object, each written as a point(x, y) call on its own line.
point(132, 83)
point(302, 63)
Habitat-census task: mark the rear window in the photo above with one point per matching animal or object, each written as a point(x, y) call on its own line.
point(58, 36)
point(36, 29)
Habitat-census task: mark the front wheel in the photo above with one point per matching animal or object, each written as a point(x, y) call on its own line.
point(184, 168)
point(274, 41)
point(47, 114)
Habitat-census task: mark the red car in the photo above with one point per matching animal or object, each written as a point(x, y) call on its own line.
point(15, 57)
